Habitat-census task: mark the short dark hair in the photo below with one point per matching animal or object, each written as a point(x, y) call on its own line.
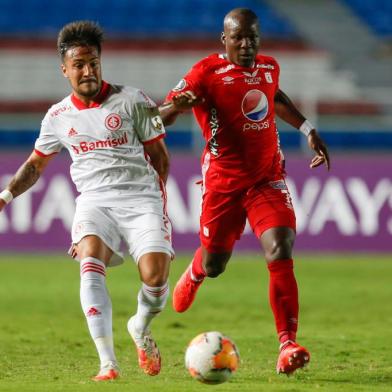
point(79, 33)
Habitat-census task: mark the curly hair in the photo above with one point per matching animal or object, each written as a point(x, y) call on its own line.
point(79, 33)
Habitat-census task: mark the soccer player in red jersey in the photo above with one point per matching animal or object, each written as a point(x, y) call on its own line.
point(235, 97)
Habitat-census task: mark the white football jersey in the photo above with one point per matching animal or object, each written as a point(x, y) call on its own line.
point(105, 141)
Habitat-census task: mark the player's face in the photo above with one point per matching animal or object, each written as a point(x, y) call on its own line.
point(241, 39)
point(82, 66)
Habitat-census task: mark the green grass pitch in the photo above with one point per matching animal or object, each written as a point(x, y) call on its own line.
point(345, 321)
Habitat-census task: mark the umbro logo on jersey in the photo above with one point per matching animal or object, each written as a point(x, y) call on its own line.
point(72, 133)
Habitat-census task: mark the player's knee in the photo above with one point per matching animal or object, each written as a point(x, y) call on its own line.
point(279, 249)
point(157, 280)
point(215, 269)
point(154, 269)
point(215, 264)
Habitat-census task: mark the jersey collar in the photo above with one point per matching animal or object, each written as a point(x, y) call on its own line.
point(223, 56)
point(102, 95)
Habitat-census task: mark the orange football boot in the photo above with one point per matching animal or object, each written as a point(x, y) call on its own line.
point(148, 353)
point(292, 356)
point(185, 291)
point(108, 372)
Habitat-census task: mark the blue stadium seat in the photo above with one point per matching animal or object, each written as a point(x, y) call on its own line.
point(377, 14)
point(147, 18)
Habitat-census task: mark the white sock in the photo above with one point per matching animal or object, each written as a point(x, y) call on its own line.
point(97, 307)
point(105, 350)
point(151, 301)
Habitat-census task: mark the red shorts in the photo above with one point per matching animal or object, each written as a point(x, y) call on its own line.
point(223, 215)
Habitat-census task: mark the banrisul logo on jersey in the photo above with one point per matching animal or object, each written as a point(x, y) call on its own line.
point(100, 144)
point(255, 108)
point(113, 122)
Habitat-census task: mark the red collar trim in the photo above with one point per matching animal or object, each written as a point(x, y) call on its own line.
point(102, 95)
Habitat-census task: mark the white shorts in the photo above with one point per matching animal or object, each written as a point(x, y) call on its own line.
point(143, 230)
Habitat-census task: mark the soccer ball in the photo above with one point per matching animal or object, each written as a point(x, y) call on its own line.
point(211, 358)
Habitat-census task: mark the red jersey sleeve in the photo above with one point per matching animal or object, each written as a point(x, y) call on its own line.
point(192, 81)
point(278, 74)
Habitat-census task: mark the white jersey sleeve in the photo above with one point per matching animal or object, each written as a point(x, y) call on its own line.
point(47, 143)
point(147, 121)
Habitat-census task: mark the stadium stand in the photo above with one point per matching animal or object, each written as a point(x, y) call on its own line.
point(377, 14)
point(147, 18)
point(152, 43)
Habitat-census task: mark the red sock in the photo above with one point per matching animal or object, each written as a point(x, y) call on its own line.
point(197, 266)
point(283, 294)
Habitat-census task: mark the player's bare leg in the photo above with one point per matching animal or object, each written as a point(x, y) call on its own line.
point(186, 288)
point(152, 298)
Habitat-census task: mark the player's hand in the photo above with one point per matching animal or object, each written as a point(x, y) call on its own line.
point(72, 251)
point(316, 144)
point(2, 204)
point(185, 100)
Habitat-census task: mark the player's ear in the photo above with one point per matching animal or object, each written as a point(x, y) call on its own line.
point(223, 38)
point(64, 70)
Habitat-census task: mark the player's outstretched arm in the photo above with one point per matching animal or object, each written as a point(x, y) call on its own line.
point(179, 103)
point(26, 176)
point(287, 111)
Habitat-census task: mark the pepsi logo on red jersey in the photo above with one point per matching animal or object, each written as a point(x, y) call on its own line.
point(255, 105)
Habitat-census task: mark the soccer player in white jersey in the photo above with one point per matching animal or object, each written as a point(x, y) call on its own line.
point(120, 164)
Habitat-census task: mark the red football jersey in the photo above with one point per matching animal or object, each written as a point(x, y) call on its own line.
point(237, 120)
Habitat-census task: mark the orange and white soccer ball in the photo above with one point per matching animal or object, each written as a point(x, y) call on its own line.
point(211, 358)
